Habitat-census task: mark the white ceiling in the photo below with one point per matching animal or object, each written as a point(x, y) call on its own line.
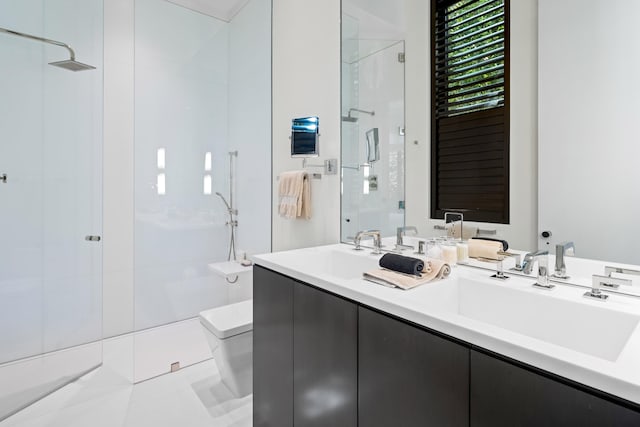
point(221, 9)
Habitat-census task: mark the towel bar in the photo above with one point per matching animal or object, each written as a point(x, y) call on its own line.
point(330, 166)
point(480, 231)
point(311, 175)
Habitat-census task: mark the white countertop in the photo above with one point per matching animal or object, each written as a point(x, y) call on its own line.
point(617, 374)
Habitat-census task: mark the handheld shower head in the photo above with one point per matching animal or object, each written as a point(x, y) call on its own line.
point(224, 200)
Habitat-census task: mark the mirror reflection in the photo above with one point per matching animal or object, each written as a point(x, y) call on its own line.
point(372, 123)
point(573, 145)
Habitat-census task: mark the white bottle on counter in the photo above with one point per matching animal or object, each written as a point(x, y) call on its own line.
point(463, 252)
point(450, 252)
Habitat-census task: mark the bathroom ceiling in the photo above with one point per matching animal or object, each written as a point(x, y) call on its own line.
point(221, 9)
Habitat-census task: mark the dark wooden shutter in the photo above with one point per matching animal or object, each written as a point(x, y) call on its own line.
point(470, 109)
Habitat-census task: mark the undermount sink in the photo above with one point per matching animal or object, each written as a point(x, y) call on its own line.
point(347, 265)
point(344, 263)
point(582, 327)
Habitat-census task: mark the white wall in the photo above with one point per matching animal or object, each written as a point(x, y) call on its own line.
point(250, 123)
point(306, 81)
point(118, 230)
point(588, 172)
point(418, 111)
point(521, 231)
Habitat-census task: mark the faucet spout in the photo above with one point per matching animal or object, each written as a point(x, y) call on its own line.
point(562, 249)
point(377, 241)
point(542, 257)
point(400, 232)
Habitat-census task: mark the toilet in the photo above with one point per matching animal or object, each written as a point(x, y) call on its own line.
point(229, 331)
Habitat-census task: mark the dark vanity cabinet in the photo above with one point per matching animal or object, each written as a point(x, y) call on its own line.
point(272, 349)
point(305, 355)
point(322, 360)
point(325, 351)
point(504, 394)
point(409, 377)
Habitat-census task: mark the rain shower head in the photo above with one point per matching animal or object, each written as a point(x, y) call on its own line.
point(351, 119)
point(68, 64)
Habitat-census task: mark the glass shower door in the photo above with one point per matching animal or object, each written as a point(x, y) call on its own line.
point(372, 133)
point(50, 199)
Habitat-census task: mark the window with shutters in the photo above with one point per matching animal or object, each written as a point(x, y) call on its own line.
point(470, 109)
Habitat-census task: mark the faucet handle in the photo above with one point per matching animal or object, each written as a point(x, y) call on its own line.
point(500, 272)
point(596, 282)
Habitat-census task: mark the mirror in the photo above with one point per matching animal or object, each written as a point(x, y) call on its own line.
point(304, 137)
point(372, 175)
point(576, 195)
point(373, 149)
point(588, 146)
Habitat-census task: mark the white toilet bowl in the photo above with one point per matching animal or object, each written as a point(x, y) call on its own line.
point(229, 330)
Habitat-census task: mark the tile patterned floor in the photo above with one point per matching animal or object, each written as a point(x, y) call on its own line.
point(192, 397)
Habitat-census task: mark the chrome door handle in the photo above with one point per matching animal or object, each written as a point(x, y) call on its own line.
point(3, 178)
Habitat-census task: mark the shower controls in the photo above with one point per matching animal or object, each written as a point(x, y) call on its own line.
point(3, 178)
point(92, 238)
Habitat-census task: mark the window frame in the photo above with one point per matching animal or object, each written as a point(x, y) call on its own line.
point(471, 213)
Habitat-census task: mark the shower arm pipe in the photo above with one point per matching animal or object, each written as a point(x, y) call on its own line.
point(72, 54)
point(371, 113)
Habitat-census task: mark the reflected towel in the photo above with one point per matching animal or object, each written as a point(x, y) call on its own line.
point(294, 192)
point(487, 249)
point(434, 269)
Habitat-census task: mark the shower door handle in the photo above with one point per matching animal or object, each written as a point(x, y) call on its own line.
point(92, 238)
point(3, 178)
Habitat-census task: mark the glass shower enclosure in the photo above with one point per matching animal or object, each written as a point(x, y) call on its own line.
point(50, 197)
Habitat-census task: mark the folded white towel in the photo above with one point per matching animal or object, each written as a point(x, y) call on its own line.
point(294, 194)
point(434, 269)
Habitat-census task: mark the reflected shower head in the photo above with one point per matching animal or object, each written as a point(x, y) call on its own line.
point(68, 64)
point(351, 119)
point(72, 65)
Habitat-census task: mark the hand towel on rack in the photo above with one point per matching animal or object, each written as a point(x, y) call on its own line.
point(294, 192)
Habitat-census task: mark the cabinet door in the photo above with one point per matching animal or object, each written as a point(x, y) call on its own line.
point(409, 377)
point(503, 394)
point(325, 339)
point(272, 349)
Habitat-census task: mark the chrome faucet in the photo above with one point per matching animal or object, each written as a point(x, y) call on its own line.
point(377, 241)
point(543, 267)
point(400, 234)
point(597, 282)
point(562, 249)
